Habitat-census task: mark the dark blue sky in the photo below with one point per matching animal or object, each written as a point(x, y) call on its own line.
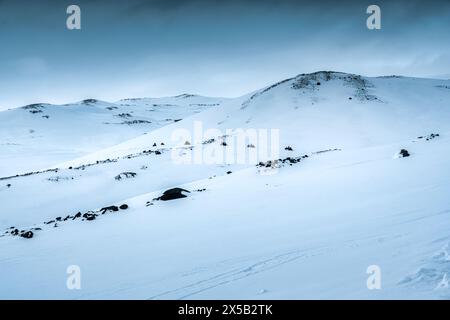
point(141, 48)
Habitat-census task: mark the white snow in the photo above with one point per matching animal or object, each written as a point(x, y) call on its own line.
point(309, 230)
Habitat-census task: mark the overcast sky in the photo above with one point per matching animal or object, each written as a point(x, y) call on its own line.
point(140, 48)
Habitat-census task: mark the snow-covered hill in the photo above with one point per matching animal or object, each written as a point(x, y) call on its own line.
point(39, 135)
point(360, 178)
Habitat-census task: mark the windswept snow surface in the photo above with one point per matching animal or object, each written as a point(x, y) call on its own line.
point(306, 229)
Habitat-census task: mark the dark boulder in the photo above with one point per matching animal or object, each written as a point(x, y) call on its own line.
point(27, 235)
point(404, 153)
point(172, 194)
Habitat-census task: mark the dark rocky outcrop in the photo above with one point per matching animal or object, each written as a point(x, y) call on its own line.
point(89, 216)
point(89, 101)
point(280, 162)
point(131, 122)
point(125, 175)
point(124, 115)
point(209, 141)
point(27, 234)
point(22, 233)
point(109, 209)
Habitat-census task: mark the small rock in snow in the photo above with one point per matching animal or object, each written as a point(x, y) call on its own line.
point(403, 153)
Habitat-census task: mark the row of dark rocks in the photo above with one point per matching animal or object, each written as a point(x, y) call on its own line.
point(84, 166)
point(88, 216)
point(125, 175)
point(29, 174)
point(279, 162)
point(429, 137)
point(289, 160)
point(27, 234)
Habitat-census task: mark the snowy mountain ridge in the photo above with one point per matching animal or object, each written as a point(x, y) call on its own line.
point(31, 132)
point(360, 179)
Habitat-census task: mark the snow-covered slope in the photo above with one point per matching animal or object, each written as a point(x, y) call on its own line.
point(39, 135)
point(321, 110)
point(338, 200)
